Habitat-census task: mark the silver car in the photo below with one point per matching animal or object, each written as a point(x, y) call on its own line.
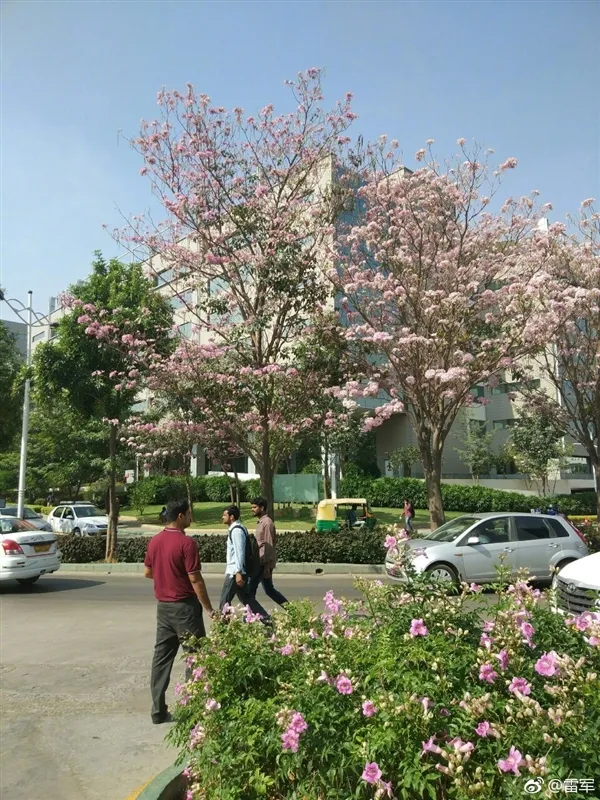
point(29, 515)
point(471, 547)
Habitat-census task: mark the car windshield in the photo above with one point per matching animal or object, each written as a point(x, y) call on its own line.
point(88, 511)
point(451, 530)
point(28, 513)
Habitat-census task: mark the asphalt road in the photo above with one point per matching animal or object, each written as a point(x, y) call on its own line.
point(75, 654)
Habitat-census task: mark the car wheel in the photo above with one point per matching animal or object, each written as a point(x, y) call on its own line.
point(564, 563)
point(28, 581)
point(76, 532)
point(443, 572)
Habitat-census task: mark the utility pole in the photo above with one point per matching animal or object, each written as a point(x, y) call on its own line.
point(25, 428)
point(19, 309)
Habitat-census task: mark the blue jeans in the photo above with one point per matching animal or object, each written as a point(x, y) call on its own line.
point(408, 523)
point(267, 584)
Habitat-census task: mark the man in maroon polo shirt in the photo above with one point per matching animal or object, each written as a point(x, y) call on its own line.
point(172, 561)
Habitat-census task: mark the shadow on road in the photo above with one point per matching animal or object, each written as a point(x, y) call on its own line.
point(49, 585)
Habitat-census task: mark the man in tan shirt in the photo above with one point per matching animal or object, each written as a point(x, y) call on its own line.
point(266, 538)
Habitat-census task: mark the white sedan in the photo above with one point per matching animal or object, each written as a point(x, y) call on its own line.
point(80, 519)
point(25, 552)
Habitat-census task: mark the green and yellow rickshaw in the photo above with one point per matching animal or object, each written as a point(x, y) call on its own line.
point(343, 512)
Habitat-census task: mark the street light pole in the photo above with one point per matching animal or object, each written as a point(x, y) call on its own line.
point(25, 428)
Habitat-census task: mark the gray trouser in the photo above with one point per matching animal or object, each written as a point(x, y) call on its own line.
point(174, 621)
point(231, 590)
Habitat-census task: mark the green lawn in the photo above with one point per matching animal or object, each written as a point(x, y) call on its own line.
point(207, 516)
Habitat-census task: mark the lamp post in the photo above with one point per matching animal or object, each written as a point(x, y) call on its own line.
point(20, 310)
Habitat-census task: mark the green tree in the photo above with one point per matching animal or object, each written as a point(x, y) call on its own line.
point(97, 378)
point(404, 457)
point(477, 449)
point(10, 366)
point(536, 443)
point(67, 450)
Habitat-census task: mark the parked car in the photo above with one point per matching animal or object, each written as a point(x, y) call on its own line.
point(81, 519)
point(469, 548)
point(577, 587)
point(31, 516)
point(25, 552)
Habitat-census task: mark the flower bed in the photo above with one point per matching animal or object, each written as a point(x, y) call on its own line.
point(408, 692)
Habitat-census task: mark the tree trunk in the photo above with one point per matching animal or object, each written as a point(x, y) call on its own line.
point(113, 505)
point(406, 469)
point(188, 485)
point(236, 489)
point(431, 458)
point(597, 471)
point(325, 457)
point(266, 472)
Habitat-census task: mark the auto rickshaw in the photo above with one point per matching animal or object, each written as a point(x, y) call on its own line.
point(329, 512)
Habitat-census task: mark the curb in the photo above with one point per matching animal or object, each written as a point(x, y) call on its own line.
point(218, 568)
point(169, 785)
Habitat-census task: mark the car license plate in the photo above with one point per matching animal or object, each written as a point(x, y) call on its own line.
point(42, 548)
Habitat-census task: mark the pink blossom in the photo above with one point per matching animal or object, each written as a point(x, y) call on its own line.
point(475, 587)
point(527, 630)
point(287, 649)
point(460, 746)
point(371, 773)
point(502, 657)
point(290, 740)
point(298, 723)
point(198, 673)
point(519, 685)
point(212, 704)
point(430, 747)
point(487, 674)
point(369, 708)
point(343, 685)
point(390, 542)
point(418, 628)
point(547, 664)
point(512, 762)
point(483, 729)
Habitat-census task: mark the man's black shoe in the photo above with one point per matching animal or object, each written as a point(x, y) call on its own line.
point(167, 717)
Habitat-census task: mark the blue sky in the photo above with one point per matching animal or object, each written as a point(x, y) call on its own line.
point(521, 77)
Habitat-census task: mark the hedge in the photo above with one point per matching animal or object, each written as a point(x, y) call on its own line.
point(391, 493)
point(296, 547)
point(213, 488)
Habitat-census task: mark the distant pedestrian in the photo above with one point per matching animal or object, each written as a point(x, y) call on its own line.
point(409, 513)
point(266, 537)
point(50, 498)
point(237, 571)
point(173, 563)
point(161, 516)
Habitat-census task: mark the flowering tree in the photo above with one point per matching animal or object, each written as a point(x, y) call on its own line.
point(438, 294)
point(97, 364)
point(570, 365)
point(246, 227)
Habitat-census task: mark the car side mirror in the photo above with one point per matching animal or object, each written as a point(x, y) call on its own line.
point(473, 540)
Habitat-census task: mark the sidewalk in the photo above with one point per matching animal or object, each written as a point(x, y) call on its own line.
point(218, 568)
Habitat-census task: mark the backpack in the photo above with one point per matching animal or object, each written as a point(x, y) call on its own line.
point(251, 553)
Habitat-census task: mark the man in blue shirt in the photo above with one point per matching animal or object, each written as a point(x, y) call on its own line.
point(236, 579)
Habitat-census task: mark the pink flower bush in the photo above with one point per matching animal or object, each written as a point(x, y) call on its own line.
point(287, 650)
point(418, 628)
point(212, 704)
point(390, 542)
